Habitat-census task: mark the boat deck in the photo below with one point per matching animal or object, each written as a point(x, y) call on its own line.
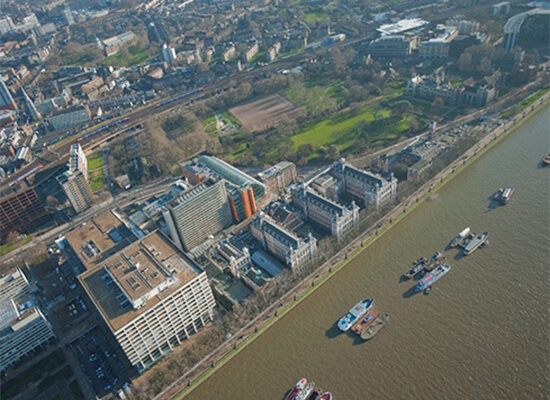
point(367, 319)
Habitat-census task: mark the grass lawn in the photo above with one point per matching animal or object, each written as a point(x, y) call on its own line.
point(314, 96)
point(136, 56)
point(332, 129)
point(6, 248)
point(95, 179)
point(95, 160)
point(316, 16)
point(341, 130)
point(524, 104)
point(95, 172)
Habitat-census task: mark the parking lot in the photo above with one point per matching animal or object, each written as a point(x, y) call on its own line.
point(104, 368)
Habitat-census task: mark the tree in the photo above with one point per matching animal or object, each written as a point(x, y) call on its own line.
point(465, 62)
point(12, 238)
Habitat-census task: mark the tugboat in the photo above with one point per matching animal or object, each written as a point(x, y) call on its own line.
point(326, 396)
point(298, 388)
point(418, 266)
point(456, 241)
point(503, 196)
point(475, 243)
point(354, 314)
point(379, 323)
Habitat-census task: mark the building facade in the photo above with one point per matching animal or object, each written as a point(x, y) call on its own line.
point(335, 218)
point(374, 190)
point(152, 298)
point(76, 188)
point(295, 252)
point(278, 177)
point(13, 285)
point(393, 46)
point(78, 160)
point(198, 213)
point(21, 332)
point(6, 100)
point(20, 208)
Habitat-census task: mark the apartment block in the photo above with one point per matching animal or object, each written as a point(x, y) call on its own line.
point(23, 327)
point(198, 213)
point(295, 252)
point(337, 219)
point(393, 46)
point(373, 189)
point(76, 188)
point(78, 160)
point(151, 296)
point(20, 208)
point(21, 332)
point(13, 285)
point(278, 177)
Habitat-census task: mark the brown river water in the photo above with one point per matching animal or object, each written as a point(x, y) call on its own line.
point(482, 333)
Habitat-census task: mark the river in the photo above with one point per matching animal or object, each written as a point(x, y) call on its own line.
point(483, 332)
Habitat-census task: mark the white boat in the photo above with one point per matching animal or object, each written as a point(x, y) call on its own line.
point(354, 314)
point(460, 237)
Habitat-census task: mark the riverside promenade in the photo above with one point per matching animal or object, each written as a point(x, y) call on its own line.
point(249, 333)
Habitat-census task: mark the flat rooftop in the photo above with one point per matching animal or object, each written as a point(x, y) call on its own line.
point(101, 237)
point(133, 280)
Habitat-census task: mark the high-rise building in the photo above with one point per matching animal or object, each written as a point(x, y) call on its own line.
point(76, 188)
point(198, 213)
point(151, 296)
point(67, 13)
point(78, 160)
point(168, 54)
point(6, 100)
point(35, 115)
point(295, 252)
point(20, 208)
point(373, 189)
point(337, 219)
point(23, 327)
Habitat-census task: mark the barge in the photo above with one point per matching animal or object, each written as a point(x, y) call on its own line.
point(475, 243)
point(364, 322)
point(432, 277)
point(376, 326)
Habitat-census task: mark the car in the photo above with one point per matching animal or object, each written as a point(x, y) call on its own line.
point(107, 387)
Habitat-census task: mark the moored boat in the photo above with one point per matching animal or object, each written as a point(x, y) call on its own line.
point(379, 323)
point(546, 160)
point(365, 321)
point(303, 395)
point(417, 267)
point(354, 314)
point(503, 196)
point(475, 243)
point(463, 233)
point(298, 388)
point(432, 277)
